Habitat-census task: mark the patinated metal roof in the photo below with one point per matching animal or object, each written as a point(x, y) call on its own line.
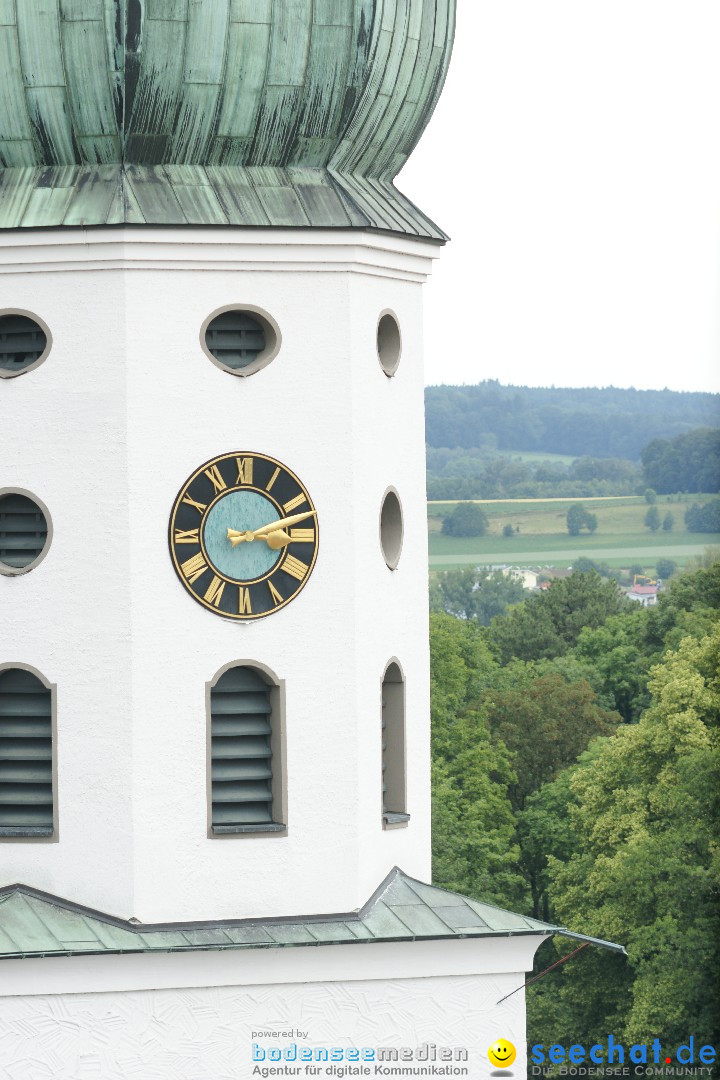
point(33, 923)
point(217, 112)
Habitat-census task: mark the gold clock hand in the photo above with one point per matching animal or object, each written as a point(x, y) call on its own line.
point(283, 523)
point(277, 540)
point(274, 529)
point(236, 537)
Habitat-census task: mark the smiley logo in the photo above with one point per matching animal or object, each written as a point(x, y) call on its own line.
point(501, 1053)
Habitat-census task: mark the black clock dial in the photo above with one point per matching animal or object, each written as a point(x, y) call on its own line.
point(243, 535)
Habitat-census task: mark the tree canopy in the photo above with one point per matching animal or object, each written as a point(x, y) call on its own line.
point(688, 462)
point(576, 749)
point(465, 519)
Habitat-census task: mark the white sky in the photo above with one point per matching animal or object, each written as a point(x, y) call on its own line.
point(574, 159)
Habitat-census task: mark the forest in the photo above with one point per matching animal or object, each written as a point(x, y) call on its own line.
point(576, 778)
point(591, 422)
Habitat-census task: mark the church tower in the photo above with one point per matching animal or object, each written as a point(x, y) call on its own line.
point(214, 691)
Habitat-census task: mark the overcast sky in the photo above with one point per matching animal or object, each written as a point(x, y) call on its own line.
point(574, 159)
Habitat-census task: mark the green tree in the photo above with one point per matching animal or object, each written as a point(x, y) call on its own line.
point(466, 519)
point(475, 594)
point(705, 518)
point(652, 518)
point(665, 568)
point(508, 530)
point(474, 845)
point(545, 831)
point(687, 462)
point(650, 496)
point(545, 725)
point(646, 870)
point(575, 519)
point(668, 522)
point(550, 622)
point(619, 664)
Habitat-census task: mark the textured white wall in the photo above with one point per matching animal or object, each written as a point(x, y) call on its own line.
point(106, 431)
point(206, 1033)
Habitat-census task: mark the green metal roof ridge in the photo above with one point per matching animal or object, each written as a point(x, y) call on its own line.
point(37, 924)
point(98, 87)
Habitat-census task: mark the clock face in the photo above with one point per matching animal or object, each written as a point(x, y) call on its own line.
point(243, 535)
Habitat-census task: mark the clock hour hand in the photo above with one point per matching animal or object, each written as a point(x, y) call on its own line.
point(272, 533)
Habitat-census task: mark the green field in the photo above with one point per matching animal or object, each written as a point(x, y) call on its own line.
point(621, 537)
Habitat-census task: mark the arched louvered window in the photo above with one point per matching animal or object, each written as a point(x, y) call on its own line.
point(27, 801)
point(394, 809)
point(24, 343)
point(24, 532)
point(246, 753)
point(240, 340)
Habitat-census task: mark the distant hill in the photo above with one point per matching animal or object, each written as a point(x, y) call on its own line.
point(593, 422)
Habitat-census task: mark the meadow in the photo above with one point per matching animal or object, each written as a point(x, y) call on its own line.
point(541, 537)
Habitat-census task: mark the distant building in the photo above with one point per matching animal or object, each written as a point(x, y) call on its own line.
point(644, 594)
point(528, 577)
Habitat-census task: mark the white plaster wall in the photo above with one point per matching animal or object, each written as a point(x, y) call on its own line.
point(123, 410)
point(63, 436)
point(206, 1033)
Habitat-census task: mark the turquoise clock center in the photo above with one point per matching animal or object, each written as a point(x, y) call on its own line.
point(240, 510)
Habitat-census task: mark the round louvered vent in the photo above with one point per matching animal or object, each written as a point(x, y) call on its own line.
point(240, 340)
point(24, 343)
point(24, 532)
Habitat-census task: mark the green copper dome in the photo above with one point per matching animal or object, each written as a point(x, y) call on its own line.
point(216, 112)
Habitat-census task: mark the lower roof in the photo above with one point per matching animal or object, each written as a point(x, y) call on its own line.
point(34, 923)
point(87, 195)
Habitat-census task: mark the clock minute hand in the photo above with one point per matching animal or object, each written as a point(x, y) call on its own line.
point(283, 523)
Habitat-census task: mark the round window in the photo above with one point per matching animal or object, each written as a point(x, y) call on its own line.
point(389, 343)
point(240, 340)
point(24, 343)
point(25, 532)
point(391, 528)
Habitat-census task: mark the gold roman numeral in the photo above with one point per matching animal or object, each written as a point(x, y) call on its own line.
point(200, 507)
point(186, 536)
point(295, 567)
point(245, 470)
point(215, 591)
point(244, 604)
point(273, 478)
point(302, 536)
point(277, 598)
point(195, 567)
point(288, 507)
point(216, 479)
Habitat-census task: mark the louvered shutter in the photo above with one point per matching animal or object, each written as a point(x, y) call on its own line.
point(26, 791)
point(235, 339)
point(23, 530)
point(22, 342)
point(241, 753)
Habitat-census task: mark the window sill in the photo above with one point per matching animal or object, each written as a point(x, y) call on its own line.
point(392, 820)
point(246, 830)
point(29, 832)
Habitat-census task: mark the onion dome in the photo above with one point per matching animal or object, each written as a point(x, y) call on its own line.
point(285, 113)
